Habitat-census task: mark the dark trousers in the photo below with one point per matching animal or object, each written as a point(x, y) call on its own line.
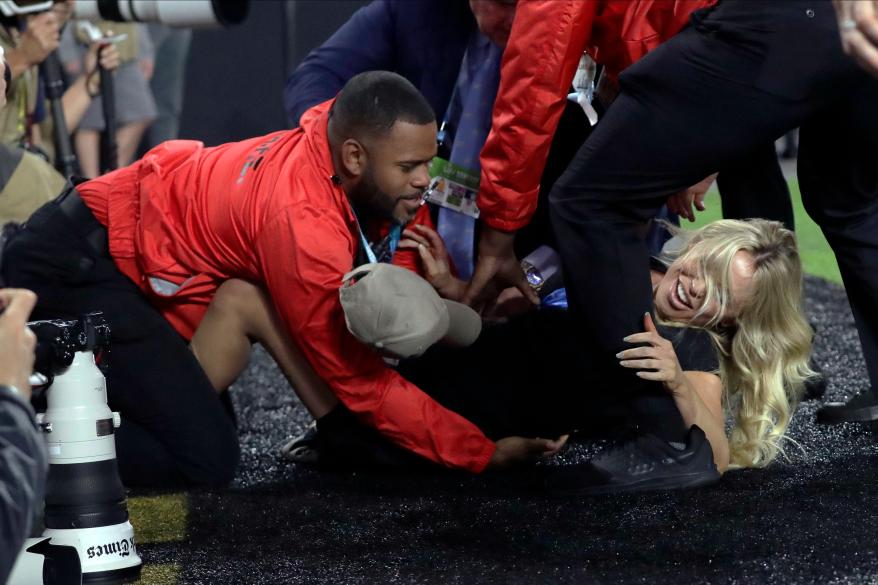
point(175, 430)
point(754, 186)
point(541, 395)
point(740, 76)
point(529, 377)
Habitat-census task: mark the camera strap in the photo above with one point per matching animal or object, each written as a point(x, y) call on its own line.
point(83, 221)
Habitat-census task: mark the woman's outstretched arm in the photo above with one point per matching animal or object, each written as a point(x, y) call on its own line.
point(698, 395)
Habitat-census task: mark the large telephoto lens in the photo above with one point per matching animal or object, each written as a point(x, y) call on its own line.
point(86, 505)
point(182, 13)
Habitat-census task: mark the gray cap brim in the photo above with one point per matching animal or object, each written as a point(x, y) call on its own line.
point(464, 324)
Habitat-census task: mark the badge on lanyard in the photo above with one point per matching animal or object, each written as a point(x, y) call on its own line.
point(453, 187)
point(583, 87)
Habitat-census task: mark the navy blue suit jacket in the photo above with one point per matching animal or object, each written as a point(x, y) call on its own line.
point(422, 40)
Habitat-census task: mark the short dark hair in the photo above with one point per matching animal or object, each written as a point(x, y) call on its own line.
point(371, 103)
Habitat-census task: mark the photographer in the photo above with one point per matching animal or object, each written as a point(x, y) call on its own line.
point(28, 41)
point(26, 179)
point(22, 450)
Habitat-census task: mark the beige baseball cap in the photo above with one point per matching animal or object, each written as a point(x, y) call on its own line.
point(396, 311)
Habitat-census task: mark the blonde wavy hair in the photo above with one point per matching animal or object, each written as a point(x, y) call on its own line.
point(764, 355)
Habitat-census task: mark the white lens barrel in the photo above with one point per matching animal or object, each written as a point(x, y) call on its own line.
point(86, 507)
point(179, 13)
point(78, 424)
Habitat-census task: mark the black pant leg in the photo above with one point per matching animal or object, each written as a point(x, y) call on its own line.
point(717, 90)
point(838, 176)
point(174, 428)
point(524, 378)
point(754, 186)
point(573, 129)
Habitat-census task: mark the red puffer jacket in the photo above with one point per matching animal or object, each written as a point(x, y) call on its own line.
point(548, 37)
point(186, 218)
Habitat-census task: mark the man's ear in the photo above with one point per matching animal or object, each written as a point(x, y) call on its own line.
point(353, 157)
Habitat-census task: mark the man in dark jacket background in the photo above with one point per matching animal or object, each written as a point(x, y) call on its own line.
point(425, 42)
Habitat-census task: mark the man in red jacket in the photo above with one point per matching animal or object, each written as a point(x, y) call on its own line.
point(154, 245)
point(545, 45)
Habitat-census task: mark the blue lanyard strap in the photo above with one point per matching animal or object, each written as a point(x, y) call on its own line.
point(387, 247)
point(369, 253)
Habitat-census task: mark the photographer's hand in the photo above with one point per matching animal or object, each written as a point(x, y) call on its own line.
point(41, 37)
point(108, 55)
point(17, 342)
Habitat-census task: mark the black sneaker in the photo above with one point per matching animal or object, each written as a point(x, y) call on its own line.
point(861, 408)
point(339, 441)
point(645, 463)
point(303, 449)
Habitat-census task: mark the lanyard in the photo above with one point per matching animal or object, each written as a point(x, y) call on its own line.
point(442, 134)
point(366, 246)
point(387, 246)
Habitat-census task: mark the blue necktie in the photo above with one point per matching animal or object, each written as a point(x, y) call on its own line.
point(469, 114)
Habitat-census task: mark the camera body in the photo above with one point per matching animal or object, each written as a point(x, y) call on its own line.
point(85, 507)
point(59, 341)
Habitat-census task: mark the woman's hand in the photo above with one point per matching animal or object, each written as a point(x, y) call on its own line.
point(434, 257)
point(655, 361)
point(690, 390)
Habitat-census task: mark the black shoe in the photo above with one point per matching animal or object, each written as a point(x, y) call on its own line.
point(303, 449)
point(861, 408)
point(645, 463)
point(339, 441)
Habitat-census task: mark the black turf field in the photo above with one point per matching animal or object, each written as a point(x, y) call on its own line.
point(811, 520)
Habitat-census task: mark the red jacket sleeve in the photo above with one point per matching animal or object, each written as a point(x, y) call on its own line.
point(546, 42)
point(303, 254)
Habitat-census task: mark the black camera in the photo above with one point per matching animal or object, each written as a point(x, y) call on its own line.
point(58, 341)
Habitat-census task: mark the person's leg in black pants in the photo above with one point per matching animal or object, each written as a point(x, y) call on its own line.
point(543, 396)
point(838, 175)
point(174, 427)
point(754, 186)
point(718, 90)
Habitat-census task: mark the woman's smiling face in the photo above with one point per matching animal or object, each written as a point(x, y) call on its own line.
point(681, 295)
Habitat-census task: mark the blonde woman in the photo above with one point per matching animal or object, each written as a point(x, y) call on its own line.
point(741, 281)
point(731, 291)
